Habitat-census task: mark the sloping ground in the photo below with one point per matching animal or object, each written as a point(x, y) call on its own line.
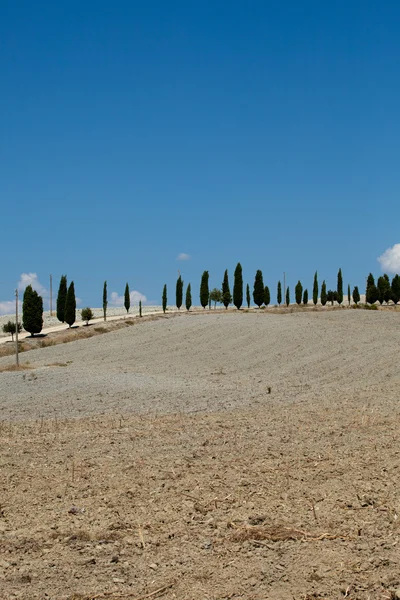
point(218, 456)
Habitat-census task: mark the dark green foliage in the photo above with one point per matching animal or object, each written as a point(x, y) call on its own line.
point(164, 298)
point(396, 289)
point(238, 287)
point(332, 296)
point(215, 296)
point(305, 296)
point(188, 299)
point(371, 293)
point(32, 311)
point(204, 291)
point(11, 328)
point(105, 301)
point(356, 295)
point(298, 292)
point(140, 308)
point(324, 297)
point(279, 293)
point(226, 293)
point(179, 292)
point(339, 295)
point(127, 298)
point(315, 289)
point(384, 289)
point(258, 291)
point(70, 305)
point(87, 314)
point(267, 296)
point(61, 298)
point(287, 296)
point(248, 299)
point(348, 294)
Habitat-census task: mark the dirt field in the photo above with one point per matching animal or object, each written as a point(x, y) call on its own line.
point(215, 456)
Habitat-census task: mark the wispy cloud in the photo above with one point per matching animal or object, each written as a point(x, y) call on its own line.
point(390, 259)
point(135, 296)
point(183, 256)
point(7, 307)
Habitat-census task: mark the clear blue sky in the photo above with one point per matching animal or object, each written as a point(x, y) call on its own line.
point(260, 132)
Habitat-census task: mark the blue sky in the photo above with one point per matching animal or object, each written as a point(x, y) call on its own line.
point(259, 132)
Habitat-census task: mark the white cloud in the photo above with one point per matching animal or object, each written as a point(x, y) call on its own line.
point(135, 296)
point(8, 308)
point(390, 259)
point(183, 256)
point(33, 280)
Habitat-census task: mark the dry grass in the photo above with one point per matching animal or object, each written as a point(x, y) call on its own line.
point(22, 367)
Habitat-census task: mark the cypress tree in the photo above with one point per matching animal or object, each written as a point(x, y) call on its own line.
point(248, 295)
point(356, 295)
point(258, 291)
point(372, 292)
point(70, 305)
point(226, 293)
point(298, 292)
point(32, 311)
point(179, 292)
point(324, 297)
point(305, 297)
point(287, 296)
point(61, 298)
point(127, 298)
point(164, 298)
point(267, 296)
point(188, 300)
point(396, 289)
point(348, 294)
point(339, 296)
point(140, 308)
point(238, 286)
point(315, 289)
point(387, 292)
point(105, 301)
point(279, 293)
point(204, 291)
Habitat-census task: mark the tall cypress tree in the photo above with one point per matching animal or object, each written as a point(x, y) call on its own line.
point(127, 298)
point(356, 295)
point(387, 292)
point(371, 293)
point(305, 297)
point(324, 295)
point(348, 294)
point(105, 301)
point(267, 296)
point(315, 289)
point(226, 292)
point(238, 287)
point(279, 293)
point(188, 299)
point(70, 305)
point(248, 295)
point(204, 291)
point(396, 289)
point(179, 292)
point(164, 298)
point(258, 291)
point(32, 311)
point(287, 296)
point(298, 292)
point(339, 296)
point(61, 297)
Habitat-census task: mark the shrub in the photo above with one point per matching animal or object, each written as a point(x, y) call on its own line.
point(87, 314)
point(11, 328)
point(216, 296)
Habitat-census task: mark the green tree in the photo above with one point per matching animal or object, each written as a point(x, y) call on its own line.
point(258, 290)
point(32, 311)
point(387, 292)
point(305, 297)
point(339, 296)
point(61, 298)
point(188, 299)
point(248, 300)
point(395, 289)
point(87, 314)
point(105, 301)
point(216, 296)
point(70, 305)
point(11, 328)
point(238, 287)
point(140, 308)
point(279, 293)
point(287, 296)
point(348, 294)
point(298, 292)
point(267, 296)
point(226, 292)
point(164, 298)
point(332, 296)
point(356, 295)
point(371, 293)
point(324, 297)
point(315, 289)
point(179, 292)
point(204, 291)
point(127, 298)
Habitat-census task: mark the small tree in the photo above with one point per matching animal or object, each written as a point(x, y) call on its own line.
point(331, 296)
point(248, 299)
point(127, 298)
point(226, 292)
point(395, 289)
point(215, 296)
point(258, 291)
point(70, 305)
point(298, 292)
point(32, 311)
point(287, 296)
point(61, 298)
point(11, 328)
point(339, 295)
point(356, 295)
point(372, 292)
point(279, 293)
point(238, 287)
point(105, 301)
point(87, 314)
point(179, 292)
point(348, 294)
point(204, 291)
point(305, 297)
point(188, 299)
point(315, 289)
point(164, 298)
point(324, 296)
point(140, 308)
point(267, 296)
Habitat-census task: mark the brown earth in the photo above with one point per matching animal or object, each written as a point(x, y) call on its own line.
point(275, 479)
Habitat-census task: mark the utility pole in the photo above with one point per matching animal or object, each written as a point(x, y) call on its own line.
point(16, 327)
point(284, 286)
point(51, 295)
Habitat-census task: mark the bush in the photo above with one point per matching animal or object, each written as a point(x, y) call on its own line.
point(11, 328)
point(87, 314)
